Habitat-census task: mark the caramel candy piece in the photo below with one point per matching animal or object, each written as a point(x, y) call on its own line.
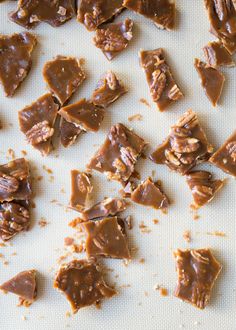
point(15, 59)
point(185, 146)
point(203, 187)
point(118, 155)
point(225, 156)
point(161, 12)
point(63, 76)
point(109, 206)
point(37, 121)
point(149, 193)
point(93, 13)
point(197, 272)
point(81, 187)
point(211, 79)
point(106, 238)
point(30, 12)
point(83, 284)
point(23, 284)
point(84, 114)
point(222, 17)
point(14, 218)
point(163, 88)
point(114, 38)
point(15, 181)
point(217, 55)
point(68, 132)
point(108, 90)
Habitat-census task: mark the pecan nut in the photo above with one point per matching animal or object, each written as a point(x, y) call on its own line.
point(231, 147)
point(8, 184)
point(202, 191)
point(185, 145)
point(40, 132)
point(175, 93)
point(109, 41)
point(158, 84)
point(112, 81)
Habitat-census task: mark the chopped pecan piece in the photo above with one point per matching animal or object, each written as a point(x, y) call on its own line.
point(225, 156)
point(197, 272)
point(163, 88)
point(211, 79)
point(161, 12)
point(222, 17)
point(14, 218)
point(106, 238)
point(63, 76)
point(15, 59)
point(114, 38)
point(81, 187)
point(203, 187)
point(185, 146)
point(93, 13)
point(217, 55)
point(37, 122)
point(119, 154)
point(83, 284)
point(29, 13)
point(8, 184)
point(69, 132)
point(108, 90)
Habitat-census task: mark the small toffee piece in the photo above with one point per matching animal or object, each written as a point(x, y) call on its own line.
point(112, 39)
point(197, 272)
point(81, 187)
point(217, 55)
point(69, 132)
point(82, 283)
point(29, 13)
point(93, 13)
point(37, 121)
point(222, 17)
point(149, 193)
point(63, 76)
point(15, 181)
point(24, 285)
point(211, 79)
point(84, 114)
point(108, 90)
point(106, 238)
point(203, 187)
point(105, 208)
point(119, 154)
point(162, 86)
point(161, 12)
point(225, 157)
point(15, 59)
point(185, 146)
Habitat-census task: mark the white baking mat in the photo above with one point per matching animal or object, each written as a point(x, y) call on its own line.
point(137, 306)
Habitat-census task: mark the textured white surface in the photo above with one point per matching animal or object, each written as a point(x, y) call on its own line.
point(132, 308)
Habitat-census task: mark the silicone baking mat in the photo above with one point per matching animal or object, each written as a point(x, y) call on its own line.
point(138, 305)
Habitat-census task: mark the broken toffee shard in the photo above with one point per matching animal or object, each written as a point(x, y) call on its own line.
point(197, 272)
point(161, 12)
point(211, 79)
point(63, 76)
point(82, 283)
point(112, 39)
point(37, 122)
point(106, 237)
point(222, 17)
point(225, 157)
point(93, 13)
point(108, 90)
point(81, 187)
point(107, 207)
point(162, 86)
point(83, 114)
point(119, 154)
point(30, 13)
point(69, 132)
point(203, 187)
point(149, 193)
point(24, 285)
point(15, 59)
point(217, 55)
point(185, 146)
